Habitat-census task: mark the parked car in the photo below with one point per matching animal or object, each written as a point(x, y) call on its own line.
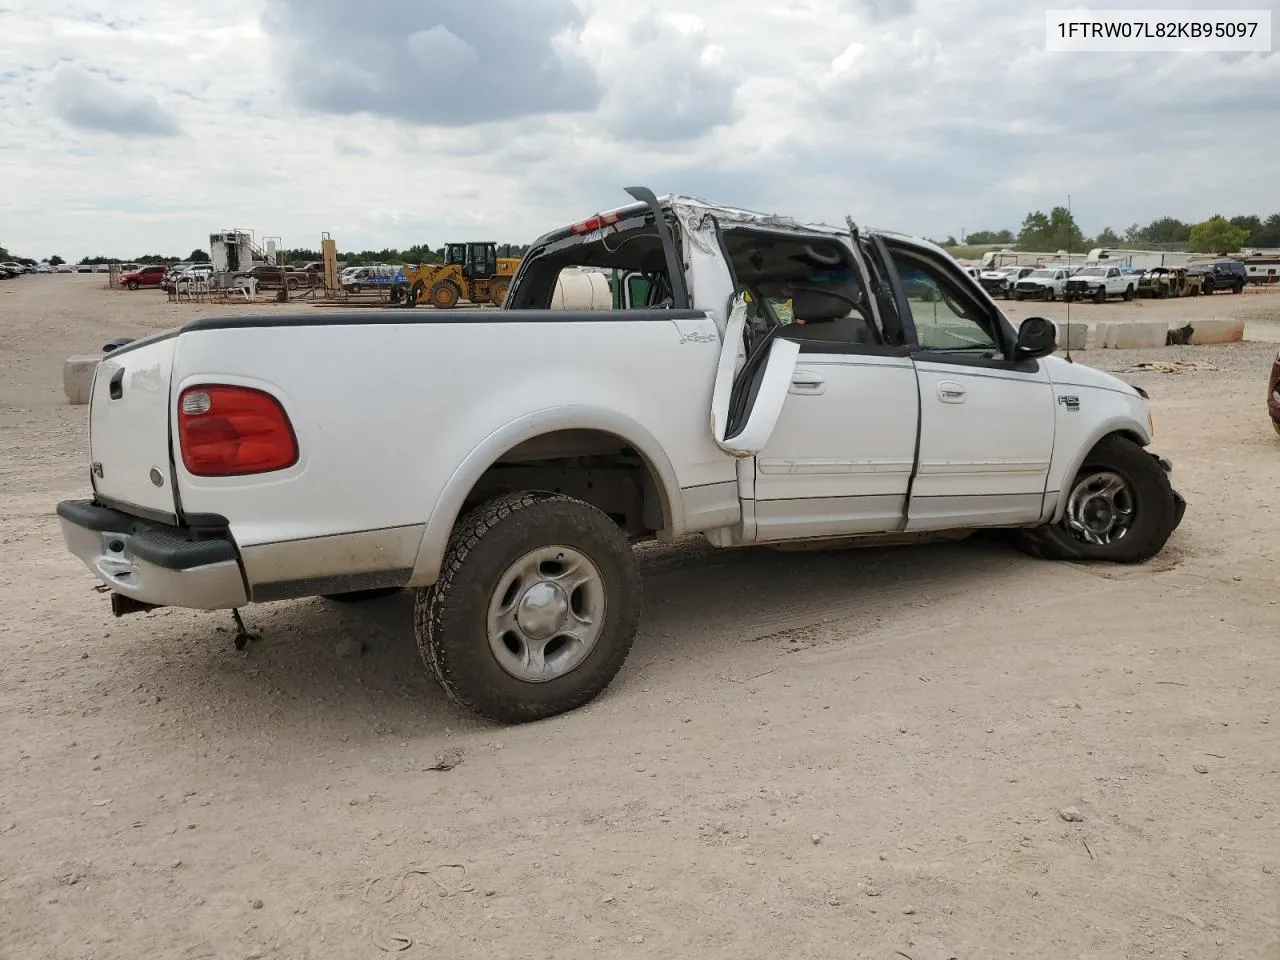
point(18, 268)
point(380, 277)
point(270, 277)
point(149, 276)
point(43, 268)
point(64, 268)
point(1273, 393)
point(84, 268)
point(1218, 275)
point(502, 462)
point(1162, 282)
point(1044, 284)
point(7, 273)
point(1099, 283)
point(190, 274)
point(999, 282)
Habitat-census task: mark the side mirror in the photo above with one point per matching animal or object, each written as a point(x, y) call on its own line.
point(1037, 337)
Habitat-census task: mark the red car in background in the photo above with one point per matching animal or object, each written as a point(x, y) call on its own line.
point(151, 276)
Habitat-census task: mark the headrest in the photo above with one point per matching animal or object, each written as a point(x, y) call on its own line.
point(823, 304)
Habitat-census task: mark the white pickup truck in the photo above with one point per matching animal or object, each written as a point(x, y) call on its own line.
point(1099, 283)
point(766, 382)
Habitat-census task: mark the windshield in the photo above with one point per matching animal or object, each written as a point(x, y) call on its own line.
point(1092, 272)
point(1045, 274)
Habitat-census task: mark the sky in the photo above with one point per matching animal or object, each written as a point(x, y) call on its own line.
point(130, 127)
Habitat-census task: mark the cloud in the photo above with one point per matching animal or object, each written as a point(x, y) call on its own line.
point(395, 122)
point(666, 79)
point(91, 102)
point(449, 62)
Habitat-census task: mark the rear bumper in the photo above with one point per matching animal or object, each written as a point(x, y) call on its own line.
point(154, 563)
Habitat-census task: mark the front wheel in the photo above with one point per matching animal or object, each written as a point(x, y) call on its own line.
point(1120, 508)
point(1051, 295)
point(536, 608)
point(444, 295)
point(132, 284)
point(1208, 289)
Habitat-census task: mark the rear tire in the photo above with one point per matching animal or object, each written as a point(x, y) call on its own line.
point(362, 596)
point(444, 295)
point(1238, 288)
point(1141, 501)
point(1128, 293)
point(515, 636)
point(1208, 289)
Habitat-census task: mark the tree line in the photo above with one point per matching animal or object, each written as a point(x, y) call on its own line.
point(1058, 230)
point(422, 253)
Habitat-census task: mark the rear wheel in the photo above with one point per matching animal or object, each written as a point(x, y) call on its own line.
point(1208, 288)
point(498, 292)
point(1239, 287)
point(1120, 508)
point(536, 608)
point(444, 295)
point(292, 283)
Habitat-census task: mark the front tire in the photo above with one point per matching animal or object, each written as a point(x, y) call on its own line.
point(1120, 508)
point(444, 295)
point(536, 608)
point(1100, 296)
point(132, 284)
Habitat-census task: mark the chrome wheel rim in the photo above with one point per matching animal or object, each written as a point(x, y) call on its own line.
point(546, 614)
point(1101, 509)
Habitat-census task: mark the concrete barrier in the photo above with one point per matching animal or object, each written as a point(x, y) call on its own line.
point(77, 377)
point(1205, 332)
point(1073, 337)
point(1132, 335)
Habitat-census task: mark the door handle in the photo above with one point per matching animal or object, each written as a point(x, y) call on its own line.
point(115, 386)
point(806, 383)
point(951, 392)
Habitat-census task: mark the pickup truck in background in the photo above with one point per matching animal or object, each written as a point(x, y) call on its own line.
point(1046, 283)
point(1099, 283)
point(764, 381)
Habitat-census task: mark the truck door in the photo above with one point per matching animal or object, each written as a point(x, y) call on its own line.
point(841, 405)
point(986, 422)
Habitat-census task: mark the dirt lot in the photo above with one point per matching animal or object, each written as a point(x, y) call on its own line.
point(840, 754)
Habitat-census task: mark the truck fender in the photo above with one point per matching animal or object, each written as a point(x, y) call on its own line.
point(445, 511)
point(1131, 428)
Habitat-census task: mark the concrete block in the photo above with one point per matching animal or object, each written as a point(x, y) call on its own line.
point(1077, 333)
point(1205, 332)
point(1131, 335)
point(77, 377)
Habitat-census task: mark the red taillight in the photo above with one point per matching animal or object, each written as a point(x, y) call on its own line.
point(595, 223)
point(227, 431)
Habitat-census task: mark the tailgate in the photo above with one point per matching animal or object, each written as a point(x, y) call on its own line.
point(129, 427)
